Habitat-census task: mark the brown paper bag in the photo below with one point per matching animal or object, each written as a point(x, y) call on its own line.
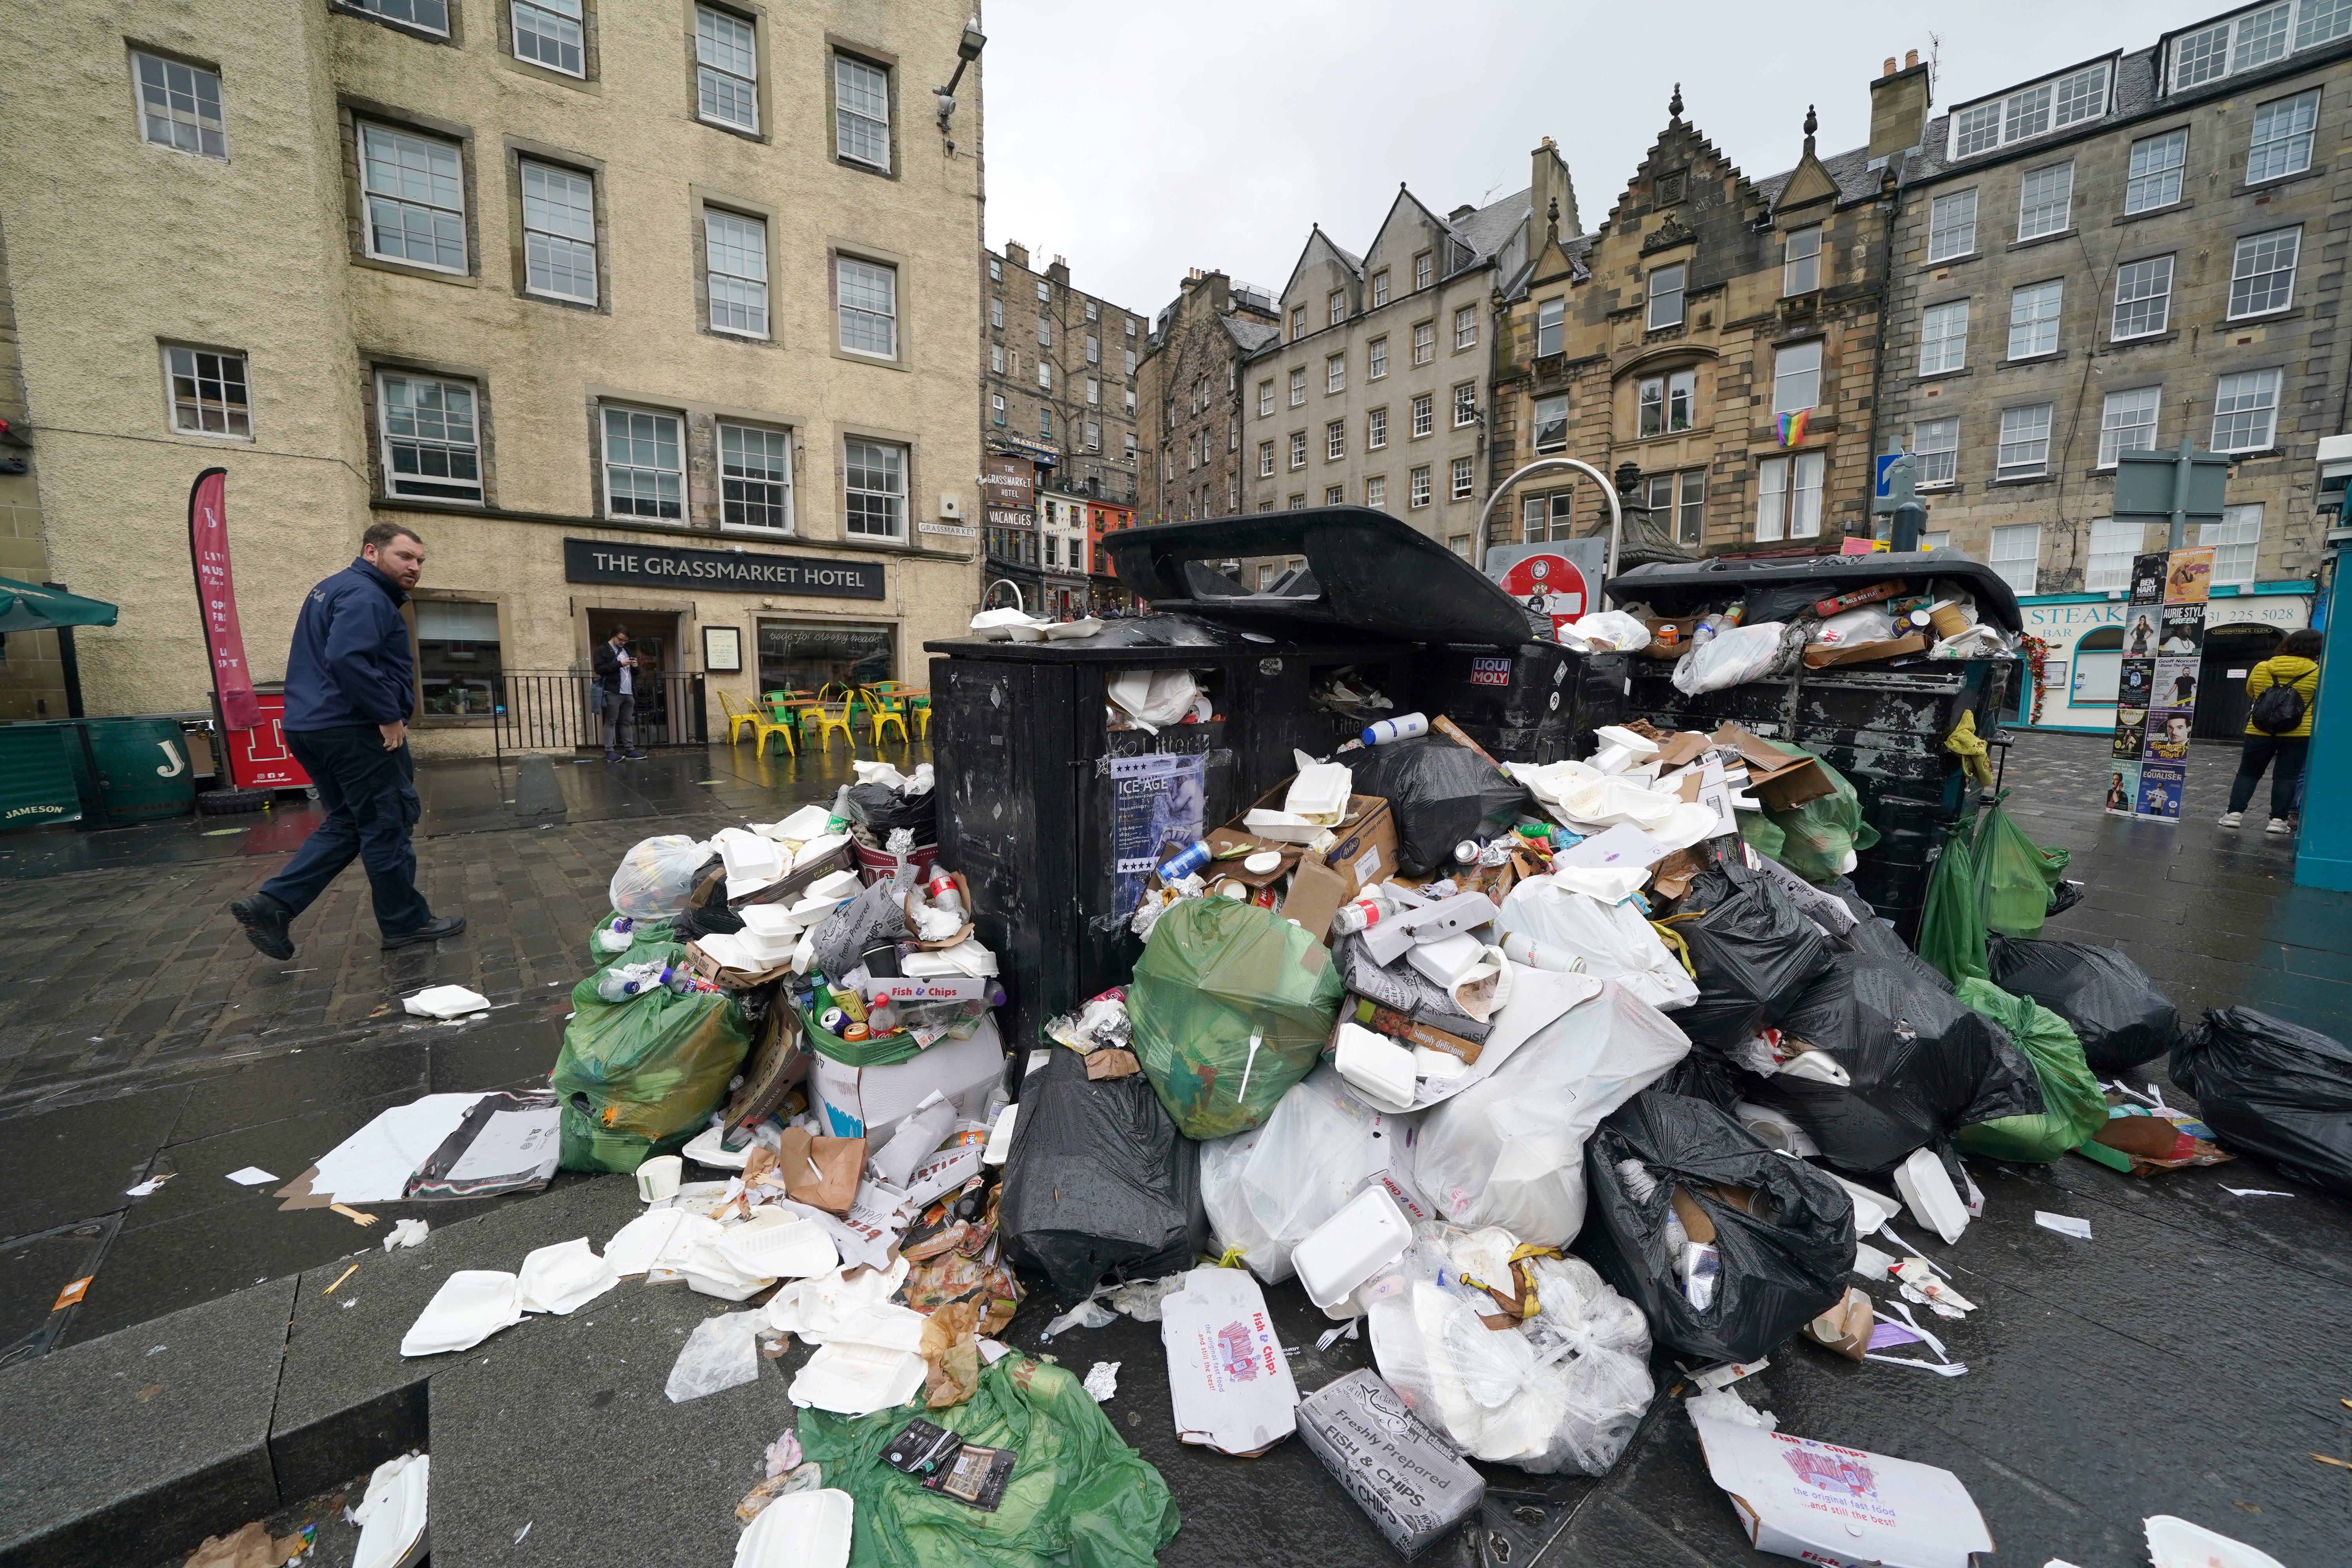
point(1845, 1328)
point(822, 1172)
point(1109, 1061)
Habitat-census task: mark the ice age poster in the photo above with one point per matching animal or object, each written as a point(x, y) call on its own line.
point(1158, 802)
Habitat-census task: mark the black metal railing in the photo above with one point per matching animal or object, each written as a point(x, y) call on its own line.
point(550, 710)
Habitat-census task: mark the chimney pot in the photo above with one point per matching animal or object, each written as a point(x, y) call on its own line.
point(1910, 58)
point(1888, 70)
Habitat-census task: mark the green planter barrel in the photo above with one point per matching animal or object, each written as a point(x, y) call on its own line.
point(142, 766)
point(37, 779)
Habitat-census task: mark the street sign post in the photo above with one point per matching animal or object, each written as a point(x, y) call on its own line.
point(2176, 488)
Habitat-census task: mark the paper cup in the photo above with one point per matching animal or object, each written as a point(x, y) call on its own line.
point(658, 1178)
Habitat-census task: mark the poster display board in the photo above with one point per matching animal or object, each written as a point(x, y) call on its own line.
point(2156, 697)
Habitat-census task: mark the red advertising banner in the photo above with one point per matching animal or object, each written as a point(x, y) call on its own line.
point(217, 598)
point(257, 758)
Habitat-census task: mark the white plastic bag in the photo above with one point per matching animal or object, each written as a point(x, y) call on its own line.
point(1266, 1189)
point(1152, 697)
point(718, 1354)
point(654, 879)
point(1509, 1151)
point(1864, 623)
point(1613, 631)
point(1733, 657)
point(1615, 941)
point(1563, 1391)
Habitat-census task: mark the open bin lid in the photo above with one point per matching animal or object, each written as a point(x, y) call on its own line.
point(1175, 641)
point(1366, 572)
point(1678, 590)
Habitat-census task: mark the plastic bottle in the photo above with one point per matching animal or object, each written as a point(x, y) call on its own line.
point(1403, 727)
point(881, 1017)
point(1531, 954)
point(625, 981)
point(1189, 862)
point(617, 936)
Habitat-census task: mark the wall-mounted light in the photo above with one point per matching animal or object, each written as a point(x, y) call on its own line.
point(967, 50)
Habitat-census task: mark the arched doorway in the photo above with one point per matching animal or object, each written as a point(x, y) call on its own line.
point(2098, 666)
point(2231, 653)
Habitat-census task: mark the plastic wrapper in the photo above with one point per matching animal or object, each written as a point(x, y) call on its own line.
point(1439, 794)
point(2015, 876)
point(876, 914)
point(1505, 1150)
point(1408, 1479)
point(879, 809)
point(2273, 1090)
point(1098, 1184)
point(654, 879)
point(1610, 631)
point(1752, 952)
point(1733, 657)
point(2118, 1014)
point(1078, 1494)
point(1266, 1189)
point(1229, 1005)
point(1820, 838)
point(1615, 941)
point(1783, 1258)
point(1921, 1064)
point(639, 1077)
point(718, 1354)
point(1563, 1390)
point(2074, 1105)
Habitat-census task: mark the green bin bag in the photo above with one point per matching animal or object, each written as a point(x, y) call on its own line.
point(1818, 835)
point(2074, 1107)
point(641, 1076)
point(647, 934)
point(1078, 1495)
point(1761, 834)
point(1216, 973)
point(1951, 922)
point(2014, 874)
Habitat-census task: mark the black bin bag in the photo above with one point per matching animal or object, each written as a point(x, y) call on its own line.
point(879, 809)
point(1752, 952)
point(1922, 1064)
point(1098, 1184)
point(2273, 1090)
point(2109, 1002)
point(1783, 1263)
point(1439, 794)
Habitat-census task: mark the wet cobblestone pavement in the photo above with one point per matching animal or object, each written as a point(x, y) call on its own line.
point(2190, 1358)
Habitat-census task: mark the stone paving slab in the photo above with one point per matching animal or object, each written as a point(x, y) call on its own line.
point(91, 1472)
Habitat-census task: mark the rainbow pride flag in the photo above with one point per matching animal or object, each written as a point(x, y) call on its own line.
point(1792, 427)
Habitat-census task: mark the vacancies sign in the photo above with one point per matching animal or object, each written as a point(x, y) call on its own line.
point(727, 571)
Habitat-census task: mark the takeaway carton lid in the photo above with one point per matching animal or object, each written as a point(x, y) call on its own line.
point(1842, 1507)
point(1228, 1380)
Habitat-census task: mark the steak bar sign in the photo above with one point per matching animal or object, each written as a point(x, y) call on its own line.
point(727, 571)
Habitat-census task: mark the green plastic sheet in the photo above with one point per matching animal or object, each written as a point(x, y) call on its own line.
point(1951, 923)
point(641, 1076)
point(1217, 975)
point(874, 1051)
point(2014, 874)
point(1818, 835)
point(2074, 1105)
point(1078, 1495)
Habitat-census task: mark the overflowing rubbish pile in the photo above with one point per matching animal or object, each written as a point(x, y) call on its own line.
point(1546, 1080)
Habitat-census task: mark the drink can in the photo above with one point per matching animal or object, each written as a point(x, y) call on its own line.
point(1187, 863)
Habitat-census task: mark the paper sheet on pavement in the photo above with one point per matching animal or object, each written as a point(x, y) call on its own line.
point(251, 1176)
point(373, 1164)
point(511, 1143)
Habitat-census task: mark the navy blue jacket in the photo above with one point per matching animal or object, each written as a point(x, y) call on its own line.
point(350, 663)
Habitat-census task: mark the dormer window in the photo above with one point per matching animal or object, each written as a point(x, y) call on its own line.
point(2255, 38)
point(2033, 111)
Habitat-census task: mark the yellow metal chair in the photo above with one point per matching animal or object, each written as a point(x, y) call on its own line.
point(763, 728)
point(831, 713)
point(923, 718)
point(738, 719)
point(881, 708)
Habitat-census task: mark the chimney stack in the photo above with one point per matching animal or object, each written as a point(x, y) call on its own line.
point(1016, 253)
point(1899, 101)
point(1547, 182)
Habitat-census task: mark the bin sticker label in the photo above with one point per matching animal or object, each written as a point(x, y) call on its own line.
point(1158, 804)
point(1490, 672)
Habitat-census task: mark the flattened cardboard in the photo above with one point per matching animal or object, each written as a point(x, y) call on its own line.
point(1842, 1508)
point(1821, 655)
point(778, 1063)
point(1228, 1382)
point(1407, 1031)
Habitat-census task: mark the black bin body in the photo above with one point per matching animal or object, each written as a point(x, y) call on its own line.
point(1536, 703)
point(1028, 798)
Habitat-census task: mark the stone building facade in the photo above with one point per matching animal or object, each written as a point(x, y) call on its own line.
point(654, 313)
point(1192, 396)
point(2129, 252)
point(1713, 341)
point(1376, 391)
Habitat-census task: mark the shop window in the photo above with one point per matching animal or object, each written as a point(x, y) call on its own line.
point(802, 656)
point(457, 657)
point(2098, 667)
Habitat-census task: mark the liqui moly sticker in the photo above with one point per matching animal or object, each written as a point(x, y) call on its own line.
point(1490, 672)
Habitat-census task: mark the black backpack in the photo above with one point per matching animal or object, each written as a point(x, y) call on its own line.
point(2277, 710)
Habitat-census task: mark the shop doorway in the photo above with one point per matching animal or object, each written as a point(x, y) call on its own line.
point(653, 637)
point(2230, 656)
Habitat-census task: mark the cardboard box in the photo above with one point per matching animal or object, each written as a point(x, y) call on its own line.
point(1408, 1481)
point(1363, 851)
point(1778, 779)
point(1821, 655)
point(1670, 636)
point(870, 1102)
point(777, 1062)
point(1407, 1031)
point(1228, 1381)
point(1842, 1508)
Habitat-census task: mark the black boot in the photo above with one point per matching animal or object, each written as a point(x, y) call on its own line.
point(265, 921)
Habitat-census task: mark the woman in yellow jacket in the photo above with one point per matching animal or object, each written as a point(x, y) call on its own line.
point(2292, 665)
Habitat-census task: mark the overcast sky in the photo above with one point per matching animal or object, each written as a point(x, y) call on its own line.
point(1143, 138)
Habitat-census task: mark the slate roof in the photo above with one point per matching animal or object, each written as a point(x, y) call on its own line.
point(1488, 229)
point(1856, 180)
point(1250, 333)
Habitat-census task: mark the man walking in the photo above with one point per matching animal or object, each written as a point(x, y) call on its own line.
point(615, 669)
point(349, 688)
